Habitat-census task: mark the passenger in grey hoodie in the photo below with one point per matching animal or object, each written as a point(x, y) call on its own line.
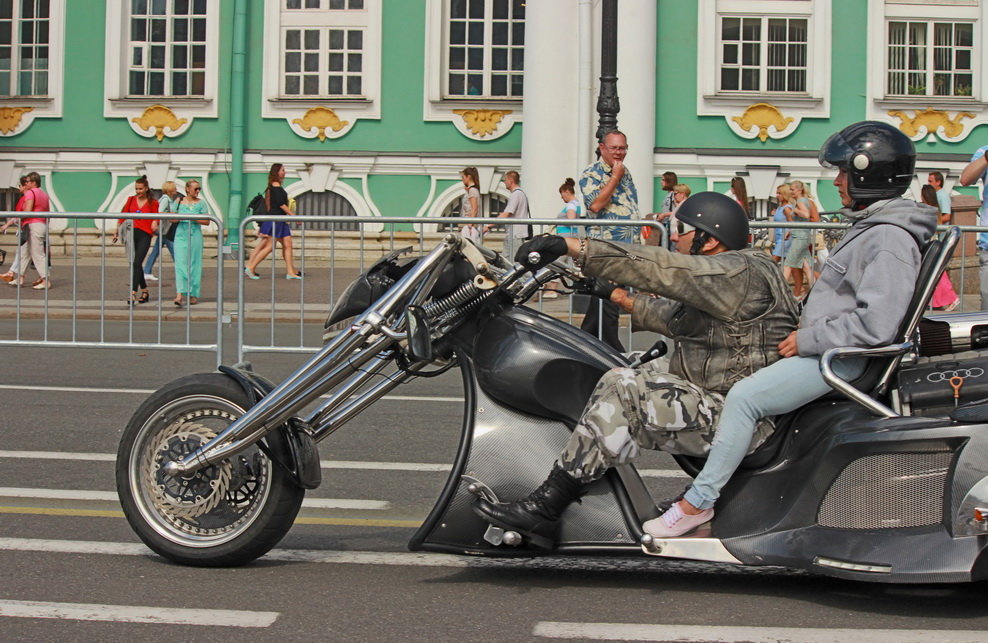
point(860, 300)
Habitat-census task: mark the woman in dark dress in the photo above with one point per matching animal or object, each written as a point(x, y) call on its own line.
point(276, 201)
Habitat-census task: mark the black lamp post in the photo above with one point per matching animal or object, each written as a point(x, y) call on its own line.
point(608, 104)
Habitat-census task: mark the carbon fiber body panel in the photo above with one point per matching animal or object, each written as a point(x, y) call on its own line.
point(512, 453)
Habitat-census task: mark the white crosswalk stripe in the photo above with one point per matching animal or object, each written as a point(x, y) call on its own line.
point(325, 464)
point(136, 614)
point(111, 496)
point(716, 634)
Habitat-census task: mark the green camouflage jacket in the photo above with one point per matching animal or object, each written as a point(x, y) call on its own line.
point(726, 313)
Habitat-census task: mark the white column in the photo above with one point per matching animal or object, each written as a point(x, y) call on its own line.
point(550, 130)
point(636, 70)
point(586, 115)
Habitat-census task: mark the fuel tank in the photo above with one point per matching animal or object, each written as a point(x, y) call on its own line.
point(540, 365)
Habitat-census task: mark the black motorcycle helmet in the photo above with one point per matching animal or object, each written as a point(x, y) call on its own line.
point(716, 215)
point(878, 158)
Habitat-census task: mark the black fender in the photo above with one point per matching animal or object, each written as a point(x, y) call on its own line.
point(302, 463)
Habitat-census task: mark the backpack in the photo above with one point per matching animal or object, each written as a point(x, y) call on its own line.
point(256, 206)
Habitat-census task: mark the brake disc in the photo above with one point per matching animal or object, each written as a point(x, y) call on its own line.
point(185, 497)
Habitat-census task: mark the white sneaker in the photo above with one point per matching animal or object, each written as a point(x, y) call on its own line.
point(149, 277)
point(675, 522)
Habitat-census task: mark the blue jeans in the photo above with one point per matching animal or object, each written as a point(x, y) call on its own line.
point(776, 389)
point(155, 250)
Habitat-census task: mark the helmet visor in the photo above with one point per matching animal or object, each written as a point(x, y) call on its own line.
point(835, 153)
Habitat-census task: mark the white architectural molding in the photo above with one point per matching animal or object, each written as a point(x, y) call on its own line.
point(122, 188)
point(433, 210)
point(320, 116)
point(478, 119)
point(156, 116)
point(949, 118)
point(17, 113)
point(741, 110)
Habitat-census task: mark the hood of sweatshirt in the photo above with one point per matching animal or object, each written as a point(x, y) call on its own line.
point(918, 219)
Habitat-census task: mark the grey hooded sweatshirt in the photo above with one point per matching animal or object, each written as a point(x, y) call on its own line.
point(864, 289)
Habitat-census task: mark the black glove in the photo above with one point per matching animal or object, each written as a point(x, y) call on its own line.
point(548, 248)
point(597, 287)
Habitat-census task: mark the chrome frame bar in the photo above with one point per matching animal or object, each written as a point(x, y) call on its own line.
point(843, 386)
point(323, 423)
point(315, 376)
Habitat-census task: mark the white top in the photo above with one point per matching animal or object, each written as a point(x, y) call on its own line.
point(518, 209)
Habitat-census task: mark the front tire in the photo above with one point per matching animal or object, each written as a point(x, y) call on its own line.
point(226, 514)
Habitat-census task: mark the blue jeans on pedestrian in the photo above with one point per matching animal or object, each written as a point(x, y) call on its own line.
point(776, 389)
point(156, 244)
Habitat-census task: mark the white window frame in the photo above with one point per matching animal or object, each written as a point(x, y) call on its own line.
point(882, 12)
point(487, 71)
point(929, 51)
point(119, 104)
point(762, 66)
point(48, 105)
point(437, 104)
point(814, 102)
point(15, 46)
point(168, 45)
point(276, 104)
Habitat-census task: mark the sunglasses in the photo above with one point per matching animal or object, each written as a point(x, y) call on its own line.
point(683, 228)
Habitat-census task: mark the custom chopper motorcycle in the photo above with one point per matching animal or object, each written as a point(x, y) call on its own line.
point(886, 479)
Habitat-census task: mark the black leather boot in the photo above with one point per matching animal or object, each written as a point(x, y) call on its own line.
point(536, 516)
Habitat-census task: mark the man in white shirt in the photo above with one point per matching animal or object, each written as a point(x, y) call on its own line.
point(517, 208)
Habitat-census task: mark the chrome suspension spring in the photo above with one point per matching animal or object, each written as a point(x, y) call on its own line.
point(455, 315)
point(460, 296)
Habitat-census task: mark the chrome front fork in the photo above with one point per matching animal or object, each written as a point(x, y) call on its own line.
point(344, 357)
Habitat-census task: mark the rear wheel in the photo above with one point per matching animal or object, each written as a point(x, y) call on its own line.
point(228, 513)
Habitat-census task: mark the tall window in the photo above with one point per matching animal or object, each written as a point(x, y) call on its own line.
point(167, 54)
point(323, 48)
point(763, 54)
point(927, 58)
point(24, 47)
point(485, 43)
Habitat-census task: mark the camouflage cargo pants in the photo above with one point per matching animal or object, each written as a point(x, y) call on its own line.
point(646, 408)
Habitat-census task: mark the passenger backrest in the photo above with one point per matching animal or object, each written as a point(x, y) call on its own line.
point(877, 377)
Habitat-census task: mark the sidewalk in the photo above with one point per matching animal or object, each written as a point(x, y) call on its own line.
point(100, 291)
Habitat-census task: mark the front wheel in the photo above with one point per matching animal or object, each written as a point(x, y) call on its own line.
point(228, 513)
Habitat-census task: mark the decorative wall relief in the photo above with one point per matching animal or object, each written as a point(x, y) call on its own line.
point(159, 121)
point(316, 122)
point(764, 121)
point(932, 121)
point(482, 122)
point(10, 119)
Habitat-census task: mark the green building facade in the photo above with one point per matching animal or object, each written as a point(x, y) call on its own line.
point(375, 105)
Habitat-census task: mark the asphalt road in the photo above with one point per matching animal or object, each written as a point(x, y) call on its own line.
point(73, 570)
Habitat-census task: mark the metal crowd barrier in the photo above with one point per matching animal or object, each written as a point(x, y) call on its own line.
point(366, 247)
point(832, 232)
point(89, 306)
